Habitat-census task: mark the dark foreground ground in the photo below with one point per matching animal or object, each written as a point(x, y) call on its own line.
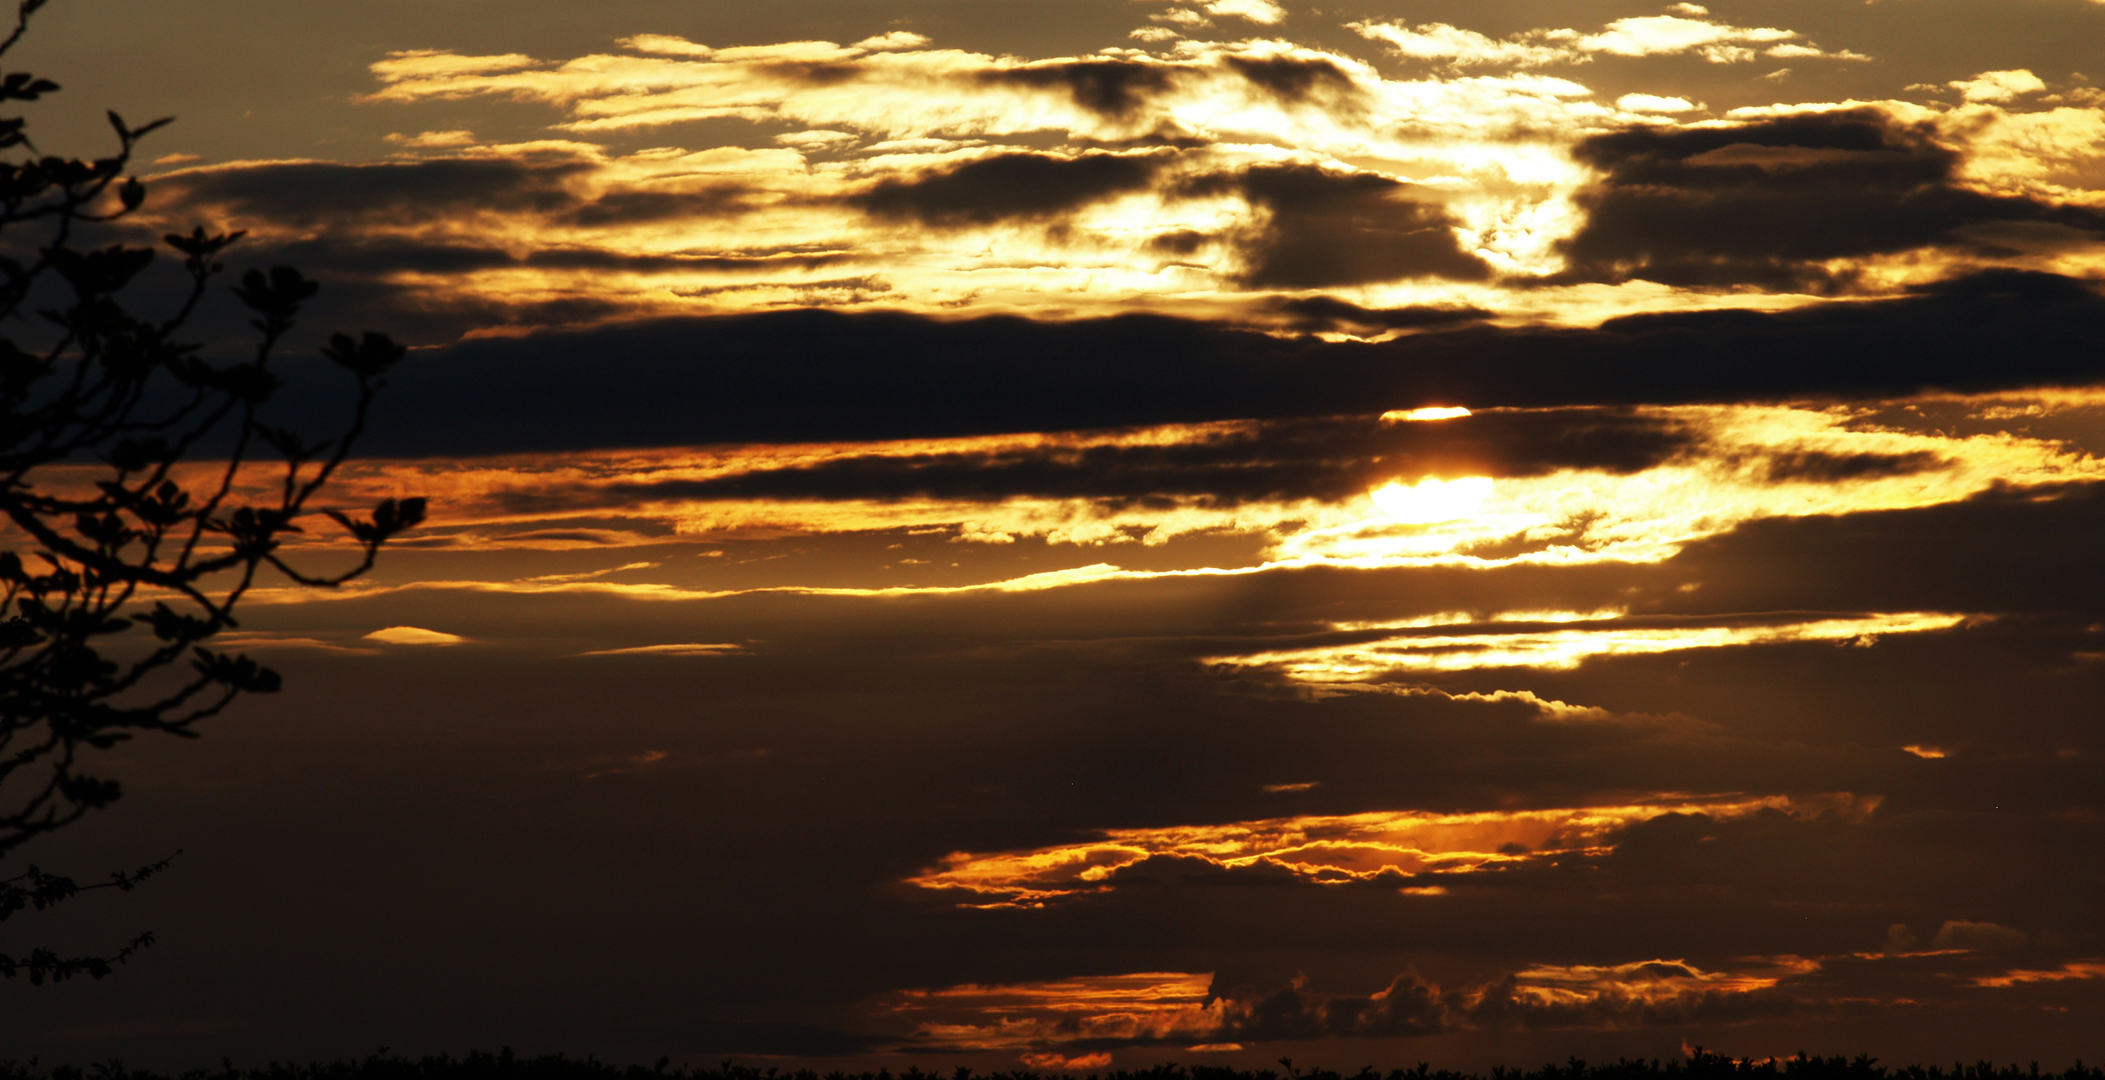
point(507, 1066)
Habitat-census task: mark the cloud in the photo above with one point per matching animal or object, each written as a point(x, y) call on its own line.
point(2073, 970)
point(1998, 86)
point(1009, 186)
point(1061, 1062)
point(1227, 464)
point(1111, 89)
point(1557, 487)
point(425, 140)
point(680, 649)
point(266, 640)
point(814, 376)
point(1691, 32)
point(1652, 103)
point(1377, 654)
point(1775, 202)
point(895, 39)
point(1173, 1007)
point(1328, 229)
point(1205, 178)
point(1820, 466)
point(1091, 680)
point(1298, 78)
point(1257, 11)
point(1657, 35)
point(1309, 314)
point(1463, 48)
point(307, 195)
point(1381, 846)
point(1118, 1009)
point(1262, 12)
point(1207, 94)
point(414, 635)
point(1184, 17)
point(1978, 937)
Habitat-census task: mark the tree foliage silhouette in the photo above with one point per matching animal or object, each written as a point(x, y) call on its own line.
point(126, 550)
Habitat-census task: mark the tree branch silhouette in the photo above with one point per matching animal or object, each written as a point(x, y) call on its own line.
point(113, 522)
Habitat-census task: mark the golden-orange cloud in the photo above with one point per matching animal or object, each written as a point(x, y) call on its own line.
point(1749, 462)
point(1344, 848)
point(1478, 160)
point(1563, 649)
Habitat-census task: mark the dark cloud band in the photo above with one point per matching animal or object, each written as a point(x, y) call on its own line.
point(804, 376)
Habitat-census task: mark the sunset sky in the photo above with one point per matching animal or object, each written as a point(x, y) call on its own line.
point(1078, 535)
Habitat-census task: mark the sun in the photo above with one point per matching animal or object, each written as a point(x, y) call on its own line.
point(1432, 500)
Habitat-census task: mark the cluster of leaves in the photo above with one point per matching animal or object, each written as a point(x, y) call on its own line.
point(508, 1066)
point(33, 889)
point(109, 524)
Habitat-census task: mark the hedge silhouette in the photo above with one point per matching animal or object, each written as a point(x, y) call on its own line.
point(505, 1065)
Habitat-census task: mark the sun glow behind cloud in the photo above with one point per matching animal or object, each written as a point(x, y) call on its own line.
point(1745, 464)
point(1432, 500)
point(1432, 412)
point(1736, 465)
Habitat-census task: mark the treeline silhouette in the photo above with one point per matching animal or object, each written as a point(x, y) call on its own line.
point(505, 1065)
